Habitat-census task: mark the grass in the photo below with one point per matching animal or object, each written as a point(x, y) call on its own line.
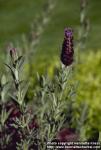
point(16, 17)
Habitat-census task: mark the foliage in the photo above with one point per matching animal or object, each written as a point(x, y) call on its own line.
point(54, 108)
point(88, 76)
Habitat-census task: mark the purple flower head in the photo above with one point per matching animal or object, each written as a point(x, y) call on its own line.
point(12, 50)
point(67, 135)
point(67, 48)
point(68, 32)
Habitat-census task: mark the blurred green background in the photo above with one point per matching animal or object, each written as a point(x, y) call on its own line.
point(16, 17)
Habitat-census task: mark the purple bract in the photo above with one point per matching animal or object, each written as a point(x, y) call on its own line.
point(67, 48)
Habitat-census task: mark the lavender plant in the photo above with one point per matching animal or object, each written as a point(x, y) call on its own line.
point(17, 127)
point(59, 116)
point(55, 115)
